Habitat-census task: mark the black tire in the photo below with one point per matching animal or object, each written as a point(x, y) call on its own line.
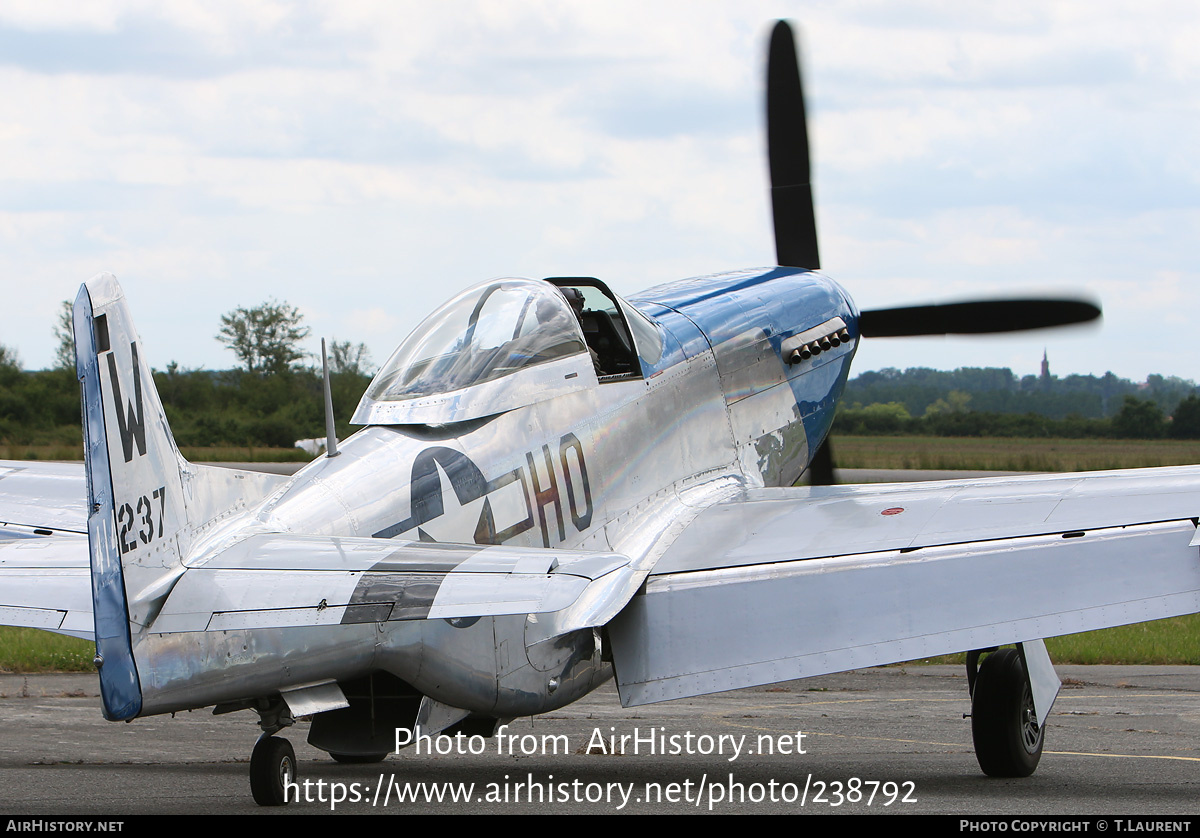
point(1008, 739)
point(357, 759)
point(272, 765)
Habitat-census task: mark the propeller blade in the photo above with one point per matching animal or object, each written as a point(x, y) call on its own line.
point(820, 469)
point(974, 318)
point(787, 149)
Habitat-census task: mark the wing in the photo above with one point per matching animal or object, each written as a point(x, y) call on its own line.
point(44, 568)
point(776, 584)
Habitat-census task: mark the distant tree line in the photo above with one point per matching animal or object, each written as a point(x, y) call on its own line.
point(998, 390)
point(993, 402)
point(272, 399)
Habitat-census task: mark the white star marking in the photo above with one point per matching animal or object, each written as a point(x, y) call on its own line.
point(458, 521)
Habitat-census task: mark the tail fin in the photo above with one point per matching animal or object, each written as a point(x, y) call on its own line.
point(146, 504)
point(142, 494)
point(135, 491)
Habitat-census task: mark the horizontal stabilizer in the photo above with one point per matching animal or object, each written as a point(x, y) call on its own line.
point(277, 581)
point(45, 583)
point(49, 496)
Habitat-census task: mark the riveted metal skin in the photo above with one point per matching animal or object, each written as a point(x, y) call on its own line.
point(610, 468)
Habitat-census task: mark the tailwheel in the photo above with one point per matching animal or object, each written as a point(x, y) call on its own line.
point(272, 768)
point(1004, 726)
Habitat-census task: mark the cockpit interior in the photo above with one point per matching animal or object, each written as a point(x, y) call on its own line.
point(604, 327)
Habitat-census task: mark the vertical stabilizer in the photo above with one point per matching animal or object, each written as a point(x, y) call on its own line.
point(135, 493)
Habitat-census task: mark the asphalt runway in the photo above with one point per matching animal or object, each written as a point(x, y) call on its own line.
point(1121, 741)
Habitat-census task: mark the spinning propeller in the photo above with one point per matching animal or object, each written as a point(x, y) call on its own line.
point(796, 237)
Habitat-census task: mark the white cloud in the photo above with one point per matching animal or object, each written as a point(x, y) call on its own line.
point(397, 152)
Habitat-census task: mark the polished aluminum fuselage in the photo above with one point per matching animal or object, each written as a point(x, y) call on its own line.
point(620, 466)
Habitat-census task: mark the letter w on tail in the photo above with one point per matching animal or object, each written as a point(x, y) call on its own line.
point(130, 421)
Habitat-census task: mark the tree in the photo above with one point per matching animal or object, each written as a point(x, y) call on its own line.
point(955, 402)
point(344, 358)
point(64, 333)
point(1185, 424)
point(1138, 419)
point(265, 338)
point(10, 366)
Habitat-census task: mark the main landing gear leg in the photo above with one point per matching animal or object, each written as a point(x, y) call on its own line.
point(1004, 723)
point(273, 762)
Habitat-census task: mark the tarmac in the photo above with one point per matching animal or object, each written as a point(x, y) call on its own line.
point(1122, 741)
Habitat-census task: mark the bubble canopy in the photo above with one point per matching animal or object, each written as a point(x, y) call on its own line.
point(497, 345)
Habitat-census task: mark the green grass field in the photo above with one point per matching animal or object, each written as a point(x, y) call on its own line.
point(1172, 641)
point(1162, 642)
point(1004, 454)
point(33, 650)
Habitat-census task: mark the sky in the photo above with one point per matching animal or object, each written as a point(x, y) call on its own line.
point(364, 161)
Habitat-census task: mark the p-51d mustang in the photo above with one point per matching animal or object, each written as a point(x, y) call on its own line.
point(549, 494)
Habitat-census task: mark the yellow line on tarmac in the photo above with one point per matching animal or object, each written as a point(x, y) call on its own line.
point(1119, 756)
point(803, 704)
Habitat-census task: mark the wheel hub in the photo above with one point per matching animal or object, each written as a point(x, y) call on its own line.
point(1031, 731)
